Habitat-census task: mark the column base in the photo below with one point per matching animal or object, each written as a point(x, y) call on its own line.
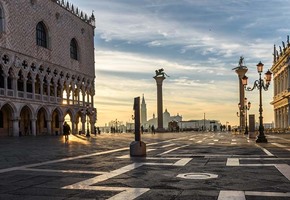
point(160, 130)
point(261, 139)
point(137, 148)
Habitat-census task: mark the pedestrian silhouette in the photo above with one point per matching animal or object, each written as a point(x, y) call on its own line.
point(66, 131)
point(153, 129)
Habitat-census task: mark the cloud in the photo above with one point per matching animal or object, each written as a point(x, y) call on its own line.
point(196, 42)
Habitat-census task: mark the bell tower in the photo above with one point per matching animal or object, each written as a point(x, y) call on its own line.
point(143, 112)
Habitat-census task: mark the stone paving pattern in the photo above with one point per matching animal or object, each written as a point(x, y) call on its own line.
point(100, 167)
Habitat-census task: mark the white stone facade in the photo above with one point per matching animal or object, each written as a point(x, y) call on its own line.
point(281, 76)
point(40, 85)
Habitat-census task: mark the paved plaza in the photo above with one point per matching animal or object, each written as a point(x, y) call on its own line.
point(208, 166)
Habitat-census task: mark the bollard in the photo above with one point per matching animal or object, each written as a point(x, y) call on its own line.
point(137, 147)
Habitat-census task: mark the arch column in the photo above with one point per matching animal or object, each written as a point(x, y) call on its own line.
point(73, 96)
point(15, 126)
point(14, 80)
point(84, 98)
point(61, 127)
point(55, 91)
point(25, 86)
point(41, 89)
point(73, 126)
point(5, 83)
point(92, 100)
point(67, 96)
point(33, 87)
point(48, 124)
point(83, 123)
point(78, 93)
point(33, 127)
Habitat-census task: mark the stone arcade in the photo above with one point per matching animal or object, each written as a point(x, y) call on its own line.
point(46, 67)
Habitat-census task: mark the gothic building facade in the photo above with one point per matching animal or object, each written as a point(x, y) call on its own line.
point(46, 68)
point(281, 74)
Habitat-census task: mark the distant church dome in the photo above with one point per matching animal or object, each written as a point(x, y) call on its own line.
point(166, 113)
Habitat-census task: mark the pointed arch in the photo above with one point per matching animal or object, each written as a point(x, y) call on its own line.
point(56, 121)
point(25, 124)
point(8, 112)
point(20, 81)
point(42, 118)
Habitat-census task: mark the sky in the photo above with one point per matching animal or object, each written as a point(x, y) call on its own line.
point(197, 42)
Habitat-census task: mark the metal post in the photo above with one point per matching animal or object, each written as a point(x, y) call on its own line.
point(246, 131)
point(261, 136)
point(137, 118)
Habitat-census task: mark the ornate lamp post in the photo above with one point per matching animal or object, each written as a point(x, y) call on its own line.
point(88, 112)
point(244, 109)
point(260, 84)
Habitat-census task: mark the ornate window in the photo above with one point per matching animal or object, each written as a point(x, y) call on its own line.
point(2, 19)
point(74, 49)
point(41, 35)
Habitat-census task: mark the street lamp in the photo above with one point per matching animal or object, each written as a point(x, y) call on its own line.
point(260, 84)
point(245, 109)
point(88, 112)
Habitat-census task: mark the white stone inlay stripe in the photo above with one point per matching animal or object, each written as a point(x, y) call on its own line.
point(284, 169)
point(268, 194)
point(182, 162)
point(279, 145)
point(107, 175)
point(231, 195)
point(233, 162)
point(63, 171)
point(168, 145)
point(265, 150)
point(282, 146)
point(173, 149)
point(131, 193)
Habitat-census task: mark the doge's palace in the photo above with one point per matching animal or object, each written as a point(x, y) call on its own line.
point(46, 68)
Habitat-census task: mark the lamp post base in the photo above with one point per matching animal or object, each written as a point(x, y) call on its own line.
point(261, 139)
point(88, 134)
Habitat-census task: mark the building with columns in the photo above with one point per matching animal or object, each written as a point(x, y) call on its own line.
point(46, 68)
point(281, 75)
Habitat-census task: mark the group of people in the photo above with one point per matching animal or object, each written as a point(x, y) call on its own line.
point(151, 128)
point(66, 131)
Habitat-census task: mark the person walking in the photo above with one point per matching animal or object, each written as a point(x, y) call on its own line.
point(66, 131)
point(153, 129)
